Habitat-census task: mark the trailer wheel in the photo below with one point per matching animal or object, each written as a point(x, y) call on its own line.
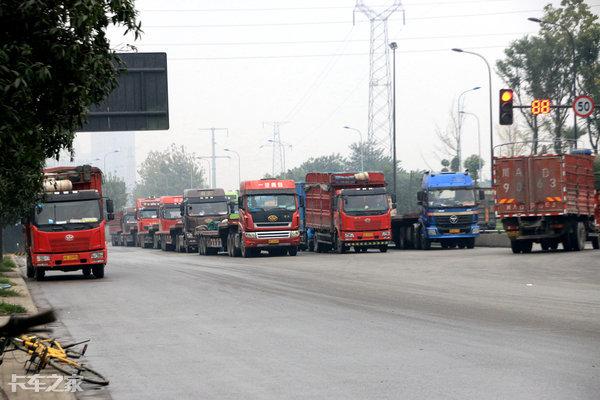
point(40, 273)
point(595, 242)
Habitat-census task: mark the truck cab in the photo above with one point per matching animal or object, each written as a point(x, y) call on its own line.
point(146, 213)
point(66, 229)
point(201, 210)
point(449, 210)
point(169, 217)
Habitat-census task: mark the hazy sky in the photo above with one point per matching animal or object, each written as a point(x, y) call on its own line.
point(238, 64)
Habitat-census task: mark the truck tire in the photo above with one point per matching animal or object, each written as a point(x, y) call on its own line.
point(470, 242)
point(293, 251)
point(526, 247)
point(163, 245)
point(86, 271)
point(515, 246)
point(425, 242)
point(311, 245)
point(340, 248)
point(383, 249)
point(157, 244)
point(40, 273)
point(595, 242)
point(98, 271)
point(579, 237)
point(244, 251)
point(30, 268)
point(201, 249)
point(417, 239)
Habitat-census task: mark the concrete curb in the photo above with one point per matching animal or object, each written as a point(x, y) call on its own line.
point(13, 362)
point(492, 240)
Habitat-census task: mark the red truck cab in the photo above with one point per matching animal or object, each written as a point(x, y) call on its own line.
point(348, 209)
point(169, 216)
point(268, 219)
point(146, 210)
point(66, 229)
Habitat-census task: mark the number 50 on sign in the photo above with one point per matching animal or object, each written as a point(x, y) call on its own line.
point(583, 106)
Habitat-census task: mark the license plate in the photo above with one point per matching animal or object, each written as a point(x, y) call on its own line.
point(70, 257)
point(368, 234)
point(454, 230)
point(273, 241)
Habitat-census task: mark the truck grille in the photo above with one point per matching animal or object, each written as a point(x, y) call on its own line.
point(449, 221)
point(273, 235)
point(59, 245)
point(273, 224)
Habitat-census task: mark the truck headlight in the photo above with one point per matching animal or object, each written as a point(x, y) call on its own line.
point(475, 229)
point(294, 234)
point(97, 254)
point(431, 231)
point(42, 258)
point(251, 235)
point(385, 234)
point(349, 235)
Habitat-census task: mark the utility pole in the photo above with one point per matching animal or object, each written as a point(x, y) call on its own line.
point(214, 157)
point(278, 163)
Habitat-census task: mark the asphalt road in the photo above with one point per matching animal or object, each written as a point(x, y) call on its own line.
point(443, 324)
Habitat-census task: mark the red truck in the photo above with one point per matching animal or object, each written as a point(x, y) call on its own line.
point(169, 217)
point(347, 210)
point(268, 219)
point(124, 231)
point(547, 199)
point(146, 214)
point(66, 229)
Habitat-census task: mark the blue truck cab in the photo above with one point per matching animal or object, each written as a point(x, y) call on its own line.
point(447, 213)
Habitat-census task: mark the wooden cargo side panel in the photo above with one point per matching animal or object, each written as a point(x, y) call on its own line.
point(318, 207)
point(579, 184)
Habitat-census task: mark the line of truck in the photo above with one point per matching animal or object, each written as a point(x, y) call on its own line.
point(550, 199)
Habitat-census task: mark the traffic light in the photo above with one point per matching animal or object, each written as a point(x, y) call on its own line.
point(506, 106)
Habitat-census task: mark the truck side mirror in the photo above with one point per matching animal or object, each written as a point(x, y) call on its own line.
point(110, 207)
point(481, 195)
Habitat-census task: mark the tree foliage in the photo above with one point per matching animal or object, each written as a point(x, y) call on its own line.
point(169, 172)
point(55, 61)
point(541, 66)
point(474, 164)
point(114, 188)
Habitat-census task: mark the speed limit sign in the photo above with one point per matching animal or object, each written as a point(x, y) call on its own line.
point(583, 106)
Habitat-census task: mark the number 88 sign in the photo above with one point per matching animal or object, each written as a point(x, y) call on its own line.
point(583, 106)
point(540, 106)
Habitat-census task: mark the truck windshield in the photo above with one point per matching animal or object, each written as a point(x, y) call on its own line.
point(366, 204)
point(172, 213)
point(451, 198)
point(266, 202)
point(84, 212)
point(202, 209)
point(147, 214)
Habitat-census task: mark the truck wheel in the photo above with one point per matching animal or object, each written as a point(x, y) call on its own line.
point(86, 271)
point(201, 249)
point(98, 271)
point(417, 239)
point(515, 246)
point(595, 242)
point(553, 245)
point(293, 251)
point(470, 242)
point(383, 249)
point(244, 251)
point(340, 248)
point(526, 247)
point(545, 245)
point(579, 237)
point(444, 244)
point(311, 245)
point(425, 242)
point(30, 268)
point(163, 245)
point(40, 273)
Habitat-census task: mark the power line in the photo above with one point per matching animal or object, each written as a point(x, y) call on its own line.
point(339, 22)
point(318, 55)
point(330, 41)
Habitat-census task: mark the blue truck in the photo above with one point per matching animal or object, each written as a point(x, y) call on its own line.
point(447, 213)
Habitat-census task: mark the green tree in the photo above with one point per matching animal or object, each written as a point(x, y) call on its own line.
point(168, 172)
point(474, 163)
point(329, 163)
point(55, 61)
point(114, 188)
point(540, 66)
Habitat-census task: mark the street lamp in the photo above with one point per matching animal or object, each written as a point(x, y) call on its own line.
point(478, 138)
point(394, 46)
point(490, 100)
point(110, 152)
point(573, 70)
point(362, 157)
point(239, 164)
point(458, 106)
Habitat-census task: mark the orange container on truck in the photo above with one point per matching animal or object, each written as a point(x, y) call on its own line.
point(66, 229)
point(146, 213)
point(547, 199)
point(347, 210)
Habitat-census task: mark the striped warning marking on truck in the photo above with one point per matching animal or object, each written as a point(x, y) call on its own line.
point(506, 201)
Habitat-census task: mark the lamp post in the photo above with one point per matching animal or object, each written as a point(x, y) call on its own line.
point(478, 139)
point(362, 157)
point(490, 100)
point(394, 46)
point(105, 155)
point(458, 107)
point(239, 164)
point(573, 68)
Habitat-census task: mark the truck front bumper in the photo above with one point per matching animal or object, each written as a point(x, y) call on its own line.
point(434, 233)
point(366, 238)
point(272, 243)
point(69, 260)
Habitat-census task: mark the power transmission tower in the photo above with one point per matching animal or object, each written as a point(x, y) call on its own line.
point(213, 157)
point(380, 94)
point(278, 163)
